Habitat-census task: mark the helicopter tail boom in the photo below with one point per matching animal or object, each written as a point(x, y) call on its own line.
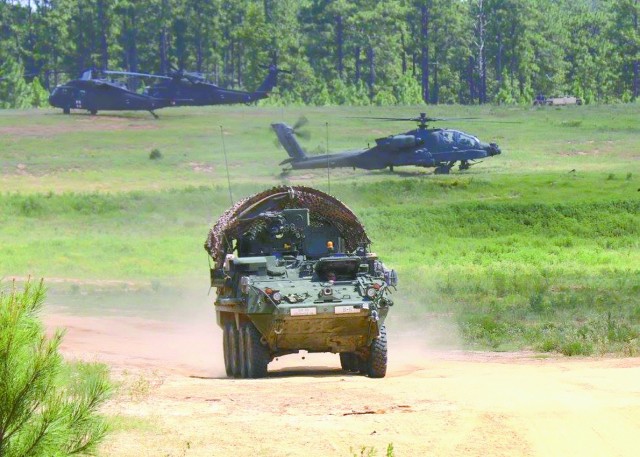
point(287, 139)
point(270, 81)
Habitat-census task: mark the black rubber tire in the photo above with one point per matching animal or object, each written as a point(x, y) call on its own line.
point(377, 363)
point(226, 347)
point(242, 350)
point(93, 112)
point(234, 351)
point(349, 361)
point(257, 354)
point(66, 110)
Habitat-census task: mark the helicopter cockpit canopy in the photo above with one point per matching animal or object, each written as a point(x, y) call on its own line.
point(457, 138)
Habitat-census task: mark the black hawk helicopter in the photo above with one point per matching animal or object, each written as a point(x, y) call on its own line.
point(98, 94)
point(193, 89)
point(422, 147)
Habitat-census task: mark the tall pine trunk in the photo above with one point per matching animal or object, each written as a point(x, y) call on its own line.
point(103, 26)
point(636, 62)
point(424, 61)
point(340, 45)
point(358, 63)
point(372, 70)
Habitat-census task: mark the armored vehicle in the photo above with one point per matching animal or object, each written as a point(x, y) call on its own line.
point(293, 272)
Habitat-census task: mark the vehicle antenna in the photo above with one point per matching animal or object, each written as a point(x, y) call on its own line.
point(328, 168)
point(226, 164)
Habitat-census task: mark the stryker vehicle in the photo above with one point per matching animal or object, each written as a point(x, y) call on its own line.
point(293, 272)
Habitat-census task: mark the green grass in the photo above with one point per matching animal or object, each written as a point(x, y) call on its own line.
point(537, 248)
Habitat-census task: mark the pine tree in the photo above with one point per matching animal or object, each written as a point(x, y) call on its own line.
point(47, 407)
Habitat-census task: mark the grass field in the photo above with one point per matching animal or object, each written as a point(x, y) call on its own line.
point(536, 248)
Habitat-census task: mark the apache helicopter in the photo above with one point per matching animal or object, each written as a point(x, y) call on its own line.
point(193, 89)
point(422, 147)
point(96, 94)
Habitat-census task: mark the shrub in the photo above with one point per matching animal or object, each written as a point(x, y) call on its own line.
point(47, 407)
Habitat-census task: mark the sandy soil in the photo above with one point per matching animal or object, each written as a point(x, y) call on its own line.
point(174, 400)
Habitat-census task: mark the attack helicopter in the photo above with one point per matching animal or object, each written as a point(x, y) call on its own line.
point(97, 94)
point(193, 89)
point(422, 147)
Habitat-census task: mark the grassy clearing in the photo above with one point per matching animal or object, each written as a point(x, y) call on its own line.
point(536, 248)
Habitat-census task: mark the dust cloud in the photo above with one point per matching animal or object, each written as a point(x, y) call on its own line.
point(415, 340)
point(172, 331)
point(175, 331)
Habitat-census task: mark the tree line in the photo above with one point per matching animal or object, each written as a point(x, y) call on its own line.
point(340, 51)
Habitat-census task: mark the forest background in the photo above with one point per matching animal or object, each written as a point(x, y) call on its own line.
point(341, 52)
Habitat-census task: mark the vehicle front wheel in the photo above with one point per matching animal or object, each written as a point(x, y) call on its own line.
point(377, 362)
point(234, 351)
point(256, 354)
point(226, 348)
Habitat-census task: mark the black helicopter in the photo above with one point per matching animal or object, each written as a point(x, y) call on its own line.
point(422, 147)
point(193, 89)
point(98, 94)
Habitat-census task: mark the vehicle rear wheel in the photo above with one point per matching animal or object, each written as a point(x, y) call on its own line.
point(377, 362)
point(349, 361)
point(66, 110)
point(257, 354)
point(93, 112)
point(226, 347)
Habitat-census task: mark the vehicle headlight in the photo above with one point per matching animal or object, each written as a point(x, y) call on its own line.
point(276, 296)
point(371, 292)
point(244, 284)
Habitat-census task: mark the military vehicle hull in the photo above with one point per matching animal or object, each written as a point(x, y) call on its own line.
point(293, 272)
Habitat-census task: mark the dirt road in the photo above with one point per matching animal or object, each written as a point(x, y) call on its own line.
point(174, 400)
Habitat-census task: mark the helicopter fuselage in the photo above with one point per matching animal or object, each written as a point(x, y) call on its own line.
point(202, 93)
point(96, 95)
point(422, 147)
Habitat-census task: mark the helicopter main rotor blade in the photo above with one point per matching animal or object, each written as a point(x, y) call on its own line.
point(133, 73)
point(493, 122)
point(416, 119)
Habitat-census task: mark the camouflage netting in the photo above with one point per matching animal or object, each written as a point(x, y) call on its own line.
point(323, 208)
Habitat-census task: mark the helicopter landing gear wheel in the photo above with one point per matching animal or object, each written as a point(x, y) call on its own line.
point(442, 170)
point(465, 165)
point(66, 110)
point(93, 112)
point(377, 361)
point(391, 168)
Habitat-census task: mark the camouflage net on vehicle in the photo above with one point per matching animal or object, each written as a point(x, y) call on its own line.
point(323, 208)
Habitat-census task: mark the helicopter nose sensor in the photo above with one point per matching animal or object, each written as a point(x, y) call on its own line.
point(494, 149)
